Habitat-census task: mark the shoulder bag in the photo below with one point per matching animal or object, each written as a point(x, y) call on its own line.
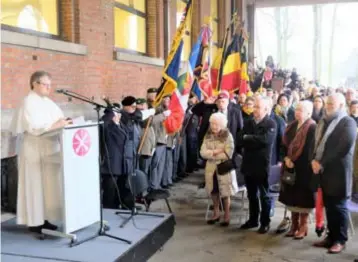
point(225, 167)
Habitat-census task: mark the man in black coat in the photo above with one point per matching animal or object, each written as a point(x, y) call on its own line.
point(257, 140)
point(114, 170)
point(333, 162)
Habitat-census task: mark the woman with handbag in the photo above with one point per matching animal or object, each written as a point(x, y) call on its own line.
point(220, 177)
point(297, 192)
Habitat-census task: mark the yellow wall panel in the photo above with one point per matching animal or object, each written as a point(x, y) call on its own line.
point(130, 31)
point(139, 5)
point(38, 15)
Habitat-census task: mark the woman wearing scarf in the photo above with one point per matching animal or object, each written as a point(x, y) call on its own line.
point(318, 108)
point(299, 197)
point(318, 113)
point(283, 108)
point(248, 108)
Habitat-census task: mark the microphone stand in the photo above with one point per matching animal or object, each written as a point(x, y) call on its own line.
point(134, 211)
point(102, 227)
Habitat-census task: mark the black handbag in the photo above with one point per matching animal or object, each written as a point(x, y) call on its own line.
point(225, 167)
point(289, 176)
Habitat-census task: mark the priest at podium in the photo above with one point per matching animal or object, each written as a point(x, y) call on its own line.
point(39, 191)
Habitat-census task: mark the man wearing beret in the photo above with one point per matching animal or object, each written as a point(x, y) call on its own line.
point(149, 143)
point(151, 94)
point(131, 119)
point(157, 166)
point(142, 104)
point(113, 170)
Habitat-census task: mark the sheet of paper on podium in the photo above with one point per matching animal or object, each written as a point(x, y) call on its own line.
point(80, 120)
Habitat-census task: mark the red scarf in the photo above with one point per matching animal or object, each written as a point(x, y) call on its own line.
point(296, 144)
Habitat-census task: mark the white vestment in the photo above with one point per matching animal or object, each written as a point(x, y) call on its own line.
point(39, 194)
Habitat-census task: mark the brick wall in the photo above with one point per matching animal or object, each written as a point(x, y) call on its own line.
point(90, 23)
point(95, 74)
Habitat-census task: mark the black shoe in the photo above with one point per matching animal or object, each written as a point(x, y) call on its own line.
point(213, 221)
point(36, 229)
point(48, 225)
point(249, 225)
point(263, 229)
point(224, 224)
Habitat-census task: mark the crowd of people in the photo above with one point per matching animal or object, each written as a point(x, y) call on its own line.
point(309, 133)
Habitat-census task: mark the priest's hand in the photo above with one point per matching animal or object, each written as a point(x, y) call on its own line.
point(62, 122)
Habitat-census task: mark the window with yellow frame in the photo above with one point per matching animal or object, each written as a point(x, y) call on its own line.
point(214, 27)
point(181, 4)
point(31, 15)
point(130, 25)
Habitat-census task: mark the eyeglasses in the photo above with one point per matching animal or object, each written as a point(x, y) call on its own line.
point(44, 84)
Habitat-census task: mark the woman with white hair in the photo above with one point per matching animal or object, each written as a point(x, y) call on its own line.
point(299, 194)
point(217, 147)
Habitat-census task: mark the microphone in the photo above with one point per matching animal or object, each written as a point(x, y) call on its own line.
point(61, 91)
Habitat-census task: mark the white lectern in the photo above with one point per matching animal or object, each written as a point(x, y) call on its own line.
point(78, 162)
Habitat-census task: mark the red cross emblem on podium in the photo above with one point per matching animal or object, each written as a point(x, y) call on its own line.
point(81, 142)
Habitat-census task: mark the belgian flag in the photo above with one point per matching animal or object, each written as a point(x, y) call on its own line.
point(231, 72)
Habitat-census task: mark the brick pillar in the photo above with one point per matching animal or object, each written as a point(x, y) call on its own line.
point(224, 15)
point(195, 20)
point(152, 28)
point(251, 30)
point(76, 21)
point(67, 24)
point(160, 28)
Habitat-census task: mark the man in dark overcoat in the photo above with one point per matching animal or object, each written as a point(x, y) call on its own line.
point(333, 163)
point(257, 140)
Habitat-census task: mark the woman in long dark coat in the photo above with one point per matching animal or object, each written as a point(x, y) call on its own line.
point(300, 197)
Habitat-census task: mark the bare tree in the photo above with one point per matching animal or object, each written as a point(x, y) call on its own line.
point(287, 32)
point(277, 14)
point(283, 26)
point(317, 40)
point(331, 46)
point(258, 42)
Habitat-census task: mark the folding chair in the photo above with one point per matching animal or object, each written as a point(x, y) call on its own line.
point(352, 206)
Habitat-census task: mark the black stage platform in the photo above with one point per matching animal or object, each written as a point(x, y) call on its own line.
point(148, 235)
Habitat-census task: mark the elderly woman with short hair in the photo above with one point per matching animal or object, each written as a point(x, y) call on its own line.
point(218, 146)
point(299, 197)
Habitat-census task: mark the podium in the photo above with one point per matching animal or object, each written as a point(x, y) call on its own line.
point(77, 160)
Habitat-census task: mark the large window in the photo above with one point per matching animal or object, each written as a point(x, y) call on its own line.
point(214, 27)
point(130, 25)
point(35, 15)
point(181, 4)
